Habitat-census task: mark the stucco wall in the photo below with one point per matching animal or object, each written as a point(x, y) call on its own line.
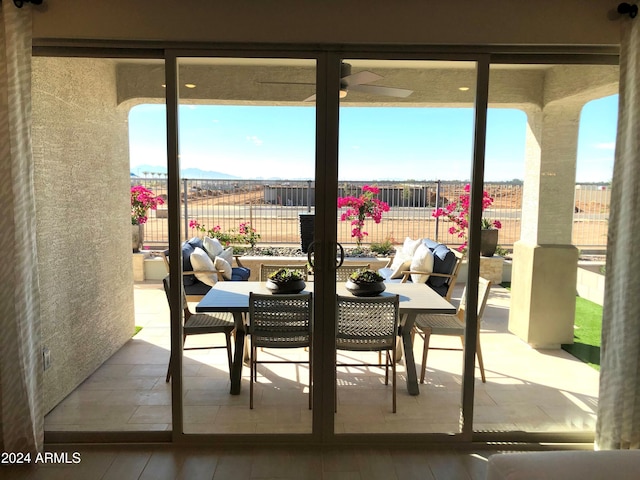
point(567, 22)
point(590, 284)
point(80, 144)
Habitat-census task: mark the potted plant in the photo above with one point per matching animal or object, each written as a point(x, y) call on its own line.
point(285, 280)
point(142, 200)
point(489, 237)
point(365, 283)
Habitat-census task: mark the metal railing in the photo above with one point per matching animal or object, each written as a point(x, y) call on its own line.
point(273, 209)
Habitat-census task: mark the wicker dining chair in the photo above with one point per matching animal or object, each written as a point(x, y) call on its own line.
point(201, 323)
point(279, 321)
point(368, 324)
point(343, 272)
point(452, 325)
point(266, 270)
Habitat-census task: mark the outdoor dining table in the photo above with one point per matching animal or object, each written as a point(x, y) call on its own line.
point(415, 298)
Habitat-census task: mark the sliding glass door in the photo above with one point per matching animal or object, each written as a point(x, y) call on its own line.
point(328, 161)
point(259, 177)
point(246, 146)
point(406, 137)
point(342, 162)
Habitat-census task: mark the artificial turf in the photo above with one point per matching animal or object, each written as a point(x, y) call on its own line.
point(587, 331)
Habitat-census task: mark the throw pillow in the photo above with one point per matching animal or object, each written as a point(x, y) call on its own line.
point(187, 250)
point(444, 262)
point(201, 261)
point(399, 265)
point(227, 254)
point(422, 262)
point(212, 246)
point(410, 246)
point(223, 266)
point(403, 256)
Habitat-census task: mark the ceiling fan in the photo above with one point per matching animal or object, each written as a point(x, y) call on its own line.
point(357, 82)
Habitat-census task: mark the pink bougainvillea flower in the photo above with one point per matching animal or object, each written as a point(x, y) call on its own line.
point(142, 200)
point(360, 208)
point(457, 212)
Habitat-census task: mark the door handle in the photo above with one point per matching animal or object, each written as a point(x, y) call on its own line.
point(341, 260)
point(312, 264)
point(310, 257)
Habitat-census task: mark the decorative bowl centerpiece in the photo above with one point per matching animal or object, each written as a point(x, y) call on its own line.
point(285, 281)
point(365, 283)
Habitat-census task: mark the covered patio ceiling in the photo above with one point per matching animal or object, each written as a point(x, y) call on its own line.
point(256, 81)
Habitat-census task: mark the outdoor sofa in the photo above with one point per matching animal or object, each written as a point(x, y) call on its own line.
point(199, 278)
point(425, 261)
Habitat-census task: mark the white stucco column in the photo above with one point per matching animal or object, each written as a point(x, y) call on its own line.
point(545, 262)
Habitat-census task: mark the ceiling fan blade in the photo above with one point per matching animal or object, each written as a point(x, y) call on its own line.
point(360, 78)
point(380, 90)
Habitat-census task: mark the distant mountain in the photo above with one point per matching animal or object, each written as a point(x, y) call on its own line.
point(153, 170)
point(198, 173)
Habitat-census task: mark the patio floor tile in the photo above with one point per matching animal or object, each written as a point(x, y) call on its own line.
point(526, 389)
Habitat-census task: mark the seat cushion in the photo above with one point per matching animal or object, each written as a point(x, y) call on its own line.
point(440, 289)
point(197, 288)
point(386, 274)
point(240, 274)
point(431, 244)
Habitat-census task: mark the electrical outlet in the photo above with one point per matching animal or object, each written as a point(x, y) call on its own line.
point(46, 358)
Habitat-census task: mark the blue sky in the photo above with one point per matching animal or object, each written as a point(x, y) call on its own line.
point(376, 143)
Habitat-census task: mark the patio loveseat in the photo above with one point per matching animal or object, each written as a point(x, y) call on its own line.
point(213, 263)
point(426, 261)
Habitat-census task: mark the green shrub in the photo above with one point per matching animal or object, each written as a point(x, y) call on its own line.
point(365, 275)
point(285, 275)
point(383, 248)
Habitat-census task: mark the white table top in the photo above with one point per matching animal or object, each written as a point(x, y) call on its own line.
point(234, 297)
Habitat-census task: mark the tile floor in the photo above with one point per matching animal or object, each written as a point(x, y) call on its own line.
point(526, 389)
point(195, 463)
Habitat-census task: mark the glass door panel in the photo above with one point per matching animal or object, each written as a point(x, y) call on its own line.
point(548, 169)
point(247, 164)
point(406, 147)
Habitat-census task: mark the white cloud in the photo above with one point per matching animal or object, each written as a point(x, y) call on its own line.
point(606, 146)
point(254, 139)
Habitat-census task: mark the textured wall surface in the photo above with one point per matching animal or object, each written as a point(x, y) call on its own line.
point(80, 143)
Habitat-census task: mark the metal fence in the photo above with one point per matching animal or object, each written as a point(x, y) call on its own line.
point(274, 207)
